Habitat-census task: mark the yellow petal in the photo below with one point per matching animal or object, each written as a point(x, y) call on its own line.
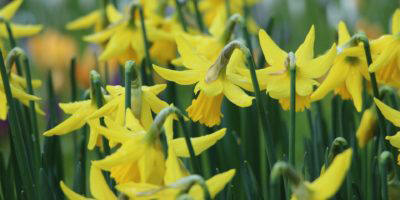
point(20, 31)
point(133, 189)
point(175, 169)
point(394, 140)
point(130, 151)
point(156, 104)
point(390, 114)
point(336, 77)
point(21, 94)
point(118, 44)
point(146, 118)
point(367, 127)
point(218, 26)
point(210, 89)
point(76, 121)
point(8, 11)
point(103, 35)
point(190, 58)
point(327, 184)
point(93, 134)
point(354, 86)
point(73, 107)
point(236, 95)
point(131, 122)
point(199, 144)
point(84, 22)
point(98, 185)
point(152, 165)
point(320, 65)
point(387, 55)
point(71, 194)
point(107, 109)
point(215, 184)
point(112, 13)
point(273, 54)
point(395, 22)
point(155, 89)
point(344, 35)
point(185, 77)
point(3, 106)
point(304, 86)
point(306, 50)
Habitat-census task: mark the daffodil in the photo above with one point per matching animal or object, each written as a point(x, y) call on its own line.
point(147, 103)
point(98, 187)
point(386, 63)
point(19, 31)
point(125, 38)
point(176, 173)
point(367, 127)
point(308, 69)
point(95, 19)
point(322, 188)
point(212, 79)
point(140, 157)
point(18, 86)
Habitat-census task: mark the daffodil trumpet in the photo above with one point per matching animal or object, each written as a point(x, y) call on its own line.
point(388, 174)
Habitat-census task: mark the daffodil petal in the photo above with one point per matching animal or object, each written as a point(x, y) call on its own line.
point(98, 185)
point(8, 11)
point(395, 22)
point(102, 36)
point(74, 122)
point(217, 28)
point(320, 65)
point(118, 44)
point(215, 184)
point(71, 194)
point(306, 50)
point(73, 107)
point(93, 134)
point(20, 31)
point(199, 144)
point(236, 95)
point(146, 118)
point(394, 139)
point(155, 89)
point(344, 35)
point(390, 114)
point(3, 106)
point(84, 22)
point(273, 54)
point(131, 122)
point(328, 183)
point(185, 77)
point(211, 89)
point(354, 86)
point(190, 58)
point(156, 104)
point(112, 13)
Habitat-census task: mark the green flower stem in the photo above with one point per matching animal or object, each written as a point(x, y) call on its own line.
point(179, 10)
point(103, 12)
point(149, 64)
point(381, 121)
point(199, 17)
point(128, 79)
point(16, 134)
point(292, 130)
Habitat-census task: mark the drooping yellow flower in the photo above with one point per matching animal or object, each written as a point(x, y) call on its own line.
point(367, 127)
point(19, 31)
point(213, 82)
point(393, 116)
point(346, 73)
point(308, 69)
point(175, 171)
point(18, 86)
point(125, 38)
point(386, 64)
point(329, 182)
point(149, 102)
point(140, 157)
point(98, 187)
point(95, 19)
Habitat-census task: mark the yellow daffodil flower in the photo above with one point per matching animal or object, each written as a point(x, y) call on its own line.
point(388, 52)
point(367, 127)
point(213, 82)
point(308, 69)
point(175, 171)
point(325, 186)
point(98, 187)
point(346, 73)
point(149, 102)
point(125, 38)
point(140, 157)
point(19, 31)
point(18, 86)
point(94, 19)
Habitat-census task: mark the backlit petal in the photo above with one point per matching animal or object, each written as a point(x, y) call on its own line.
point(320, 65)
point(354, 86)
point(390, 114)
point(184, 77)
point(190, 58)
point(98, 185)
point(344, 35)
point(236, 95)
point(395, 22)
point(306, 50)
point(70, 194)
point(215, 184)
point(85, 21)
point(273, 54)
point(394, 140)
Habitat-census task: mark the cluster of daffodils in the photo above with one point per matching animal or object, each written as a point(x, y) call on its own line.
point(159, 44)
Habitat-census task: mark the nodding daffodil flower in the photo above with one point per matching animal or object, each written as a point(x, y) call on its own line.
point(140, 157)
point(144, 101)
point(386, 63)
point(367, 127)
point(18, 86)
point(95, 19)
point(98, 187)
point(176, 177)
point(213, 80)
point(125, 38)
point(346, 73)
point(325, 186)
point(308, 69)
point(19, 31)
